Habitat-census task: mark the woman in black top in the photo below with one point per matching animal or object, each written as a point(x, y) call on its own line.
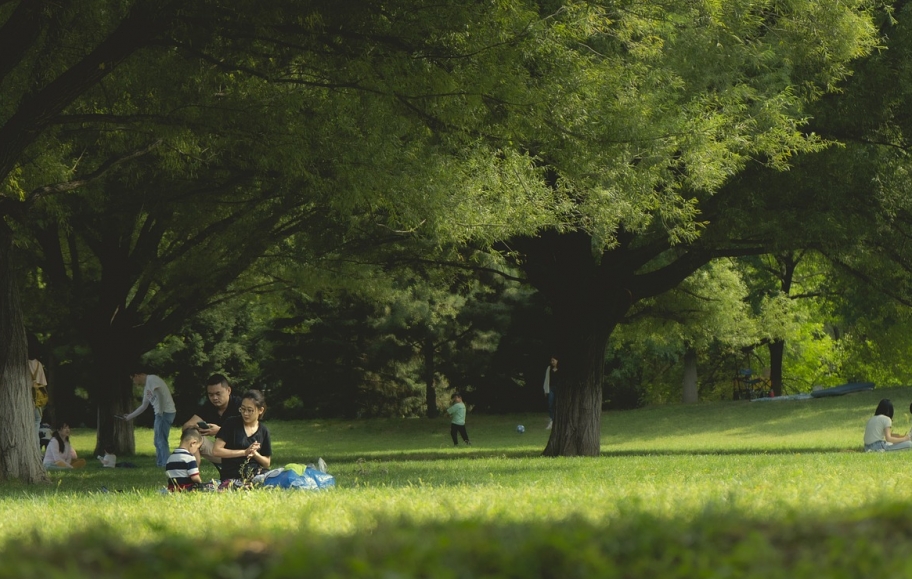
point(243, 441)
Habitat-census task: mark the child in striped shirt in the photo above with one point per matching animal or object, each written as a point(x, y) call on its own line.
point(182, 469)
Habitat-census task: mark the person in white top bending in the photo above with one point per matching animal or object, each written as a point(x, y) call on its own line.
point(156, 392)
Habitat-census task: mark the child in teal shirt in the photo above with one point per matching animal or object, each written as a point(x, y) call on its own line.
point(457, 414)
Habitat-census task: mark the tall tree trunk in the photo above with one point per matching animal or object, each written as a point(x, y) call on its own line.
point(428, 349)
point(19, 454)
point(114, 360)
point(776, 352)
point(578, 399)
point(112, 433)
point(587, 298)
point(690, 376)
point(787, 264)
point(590, 290)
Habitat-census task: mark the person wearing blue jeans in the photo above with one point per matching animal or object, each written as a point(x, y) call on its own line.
point(161, 430)
point(156, 393)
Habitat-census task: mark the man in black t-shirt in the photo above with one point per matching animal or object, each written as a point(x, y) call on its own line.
point(219, 406)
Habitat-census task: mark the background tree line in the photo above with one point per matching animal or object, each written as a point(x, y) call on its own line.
point(401, 349)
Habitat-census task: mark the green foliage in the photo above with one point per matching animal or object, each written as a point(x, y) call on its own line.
point(709, 313)
point(814, 358)
point(224, 339)
point(235, 129)
point(706, 307)
point(877, 348)
point(833, 332)
point(676, 98)
point(373, 349)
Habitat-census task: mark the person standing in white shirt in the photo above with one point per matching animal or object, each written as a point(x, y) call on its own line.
point(156, 392)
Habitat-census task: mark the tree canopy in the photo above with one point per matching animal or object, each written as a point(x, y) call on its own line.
point(153, 151)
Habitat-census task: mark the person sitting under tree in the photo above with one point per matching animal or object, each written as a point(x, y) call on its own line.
point(60, 454)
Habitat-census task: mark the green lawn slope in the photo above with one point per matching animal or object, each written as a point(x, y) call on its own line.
point(728, 489)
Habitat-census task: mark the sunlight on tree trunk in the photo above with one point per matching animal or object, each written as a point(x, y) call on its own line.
point(20, 456)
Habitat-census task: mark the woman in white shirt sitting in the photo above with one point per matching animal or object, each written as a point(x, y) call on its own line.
point(60, 454)
point(879, 435)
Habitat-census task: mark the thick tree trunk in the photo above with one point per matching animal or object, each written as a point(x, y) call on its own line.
point(19, 454)
point(114, 360)
point(690, 377)
point(578, 399)
point(116, 435)
point(590, 291)
point(788, 263)
point(587, 300)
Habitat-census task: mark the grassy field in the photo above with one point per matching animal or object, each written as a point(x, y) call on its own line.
point(731, 489)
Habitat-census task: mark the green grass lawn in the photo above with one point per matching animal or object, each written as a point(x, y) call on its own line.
point(729, 489)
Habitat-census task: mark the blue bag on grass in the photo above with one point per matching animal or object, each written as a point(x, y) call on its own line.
point(306, 478)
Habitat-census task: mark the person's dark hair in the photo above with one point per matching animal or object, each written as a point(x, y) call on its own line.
point(884, 407)
point(191, 433)
point(455, 396)
point(218, 379)
point(60, 440)
point(140, 369)
point(258, 399)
